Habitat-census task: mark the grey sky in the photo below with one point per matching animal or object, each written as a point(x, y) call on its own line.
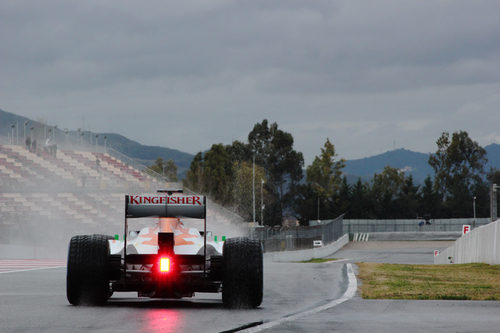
point(185, 74)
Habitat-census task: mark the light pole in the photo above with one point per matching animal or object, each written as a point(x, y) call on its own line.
point(318, 206)
point(96, 137)
point(261, 202)
point(318, 187)
point(493, 202)
point(474, 210)
point(105, 144)
point(12, 133)
point(253, 186)
point(25, 124)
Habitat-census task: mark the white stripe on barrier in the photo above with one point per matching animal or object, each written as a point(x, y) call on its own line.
point(360, 237)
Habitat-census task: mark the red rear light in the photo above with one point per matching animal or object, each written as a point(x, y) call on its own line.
point(165, 265)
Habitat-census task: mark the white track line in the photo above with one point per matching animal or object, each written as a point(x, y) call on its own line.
point(349, 293)
point(31, 269)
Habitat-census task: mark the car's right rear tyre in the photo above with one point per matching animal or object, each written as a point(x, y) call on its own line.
point(242, 283)
point(88, 270)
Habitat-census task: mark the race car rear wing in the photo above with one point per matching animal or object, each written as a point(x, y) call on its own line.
point(192, 206)
point(161, 205)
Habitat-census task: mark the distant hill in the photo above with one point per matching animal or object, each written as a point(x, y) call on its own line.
point(145, 154)
point(411, 162)
point(148, 154)
point(493, 151)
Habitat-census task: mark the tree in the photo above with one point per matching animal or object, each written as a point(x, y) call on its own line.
point(171, 171)
point(342, 201)
point(386, 189)
point(242, 189)
point(306, 203)
point(217, 174)
point(273, 149)
point(325, 173)
point(408, 201)
point(494, 176)
point(459, 167)
point(167, 169)
point(361, 203)
point(239, 151)
point(388, 181)
point(194, 175)
point(324, 176)
point(223, 171)
point(430, 200)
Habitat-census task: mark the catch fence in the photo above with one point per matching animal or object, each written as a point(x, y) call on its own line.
point(411, 225)
point(298, 238)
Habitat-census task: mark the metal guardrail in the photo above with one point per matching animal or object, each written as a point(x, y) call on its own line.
point(297, 238)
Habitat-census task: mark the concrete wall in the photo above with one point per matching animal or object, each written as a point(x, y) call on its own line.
point(302, 255)
point(414, 236)
point(480, 245)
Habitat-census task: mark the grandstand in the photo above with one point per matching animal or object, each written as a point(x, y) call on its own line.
point(64, 191)
point(49, 195)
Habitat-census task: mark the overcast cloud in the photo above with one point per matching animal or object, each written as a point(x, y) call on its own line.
point(369, 75)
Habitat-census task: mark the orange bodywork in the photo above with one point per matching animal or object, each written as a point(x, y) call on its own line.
point(170, 224)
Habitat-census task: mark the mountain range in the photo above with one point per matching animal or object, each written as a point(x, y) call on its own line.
point(411, 162)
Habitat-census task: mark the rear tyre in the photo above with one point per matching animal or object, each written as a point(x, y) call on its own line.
point(242, 273)
point(87, 277)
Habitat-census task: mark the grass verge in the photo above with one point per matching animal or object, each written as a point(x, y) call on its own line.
point(464, 282)
point(318, 260)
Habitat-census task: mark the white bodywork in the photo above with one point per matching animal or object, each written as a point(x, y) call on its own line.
point(187, 240)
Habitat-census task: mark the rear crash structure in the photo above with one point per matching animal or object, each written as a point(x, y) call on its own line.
point(176, 262)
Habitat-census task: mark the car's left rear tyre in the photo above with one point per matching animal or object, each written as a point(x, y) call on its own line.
point(242, 285)
point(88, 270)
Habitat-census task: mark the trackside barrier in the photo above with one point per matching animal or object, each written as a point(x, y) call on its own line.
point(409, 236)
point(304, 255)
point(479, 245)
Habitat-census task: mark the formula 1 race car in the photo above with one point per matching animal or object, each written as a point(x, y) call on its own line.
point(168, 260)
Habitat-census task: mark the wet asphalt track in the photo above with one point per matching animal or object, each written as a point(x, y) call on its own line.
point(35, 301)
point(386, 316)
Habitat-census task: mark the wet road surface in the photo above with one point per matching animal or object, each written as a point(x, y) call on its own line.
point(35, 301)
